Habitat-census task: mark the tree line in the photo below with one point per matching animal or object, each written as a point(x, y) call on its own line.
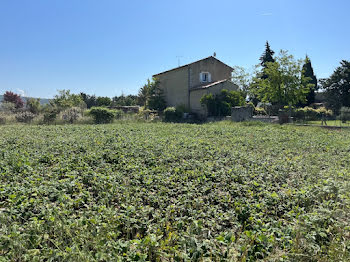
point(282, 80)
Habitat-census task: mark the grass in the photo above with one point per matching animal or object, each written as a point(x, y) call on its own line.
point(330, 123)
point(174, 192)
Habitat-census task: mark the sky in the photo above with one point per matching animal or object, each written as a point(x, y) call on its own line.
point(111, 47)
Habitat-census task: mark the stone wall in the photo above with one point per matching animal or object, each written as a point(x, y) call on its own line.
point(241, 113)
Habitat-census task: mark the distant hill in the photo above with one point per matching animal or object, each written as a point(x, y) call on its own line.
point(43, 101)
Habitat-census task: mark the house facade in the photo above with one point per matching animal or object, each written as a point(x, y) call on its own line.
point(185, 85)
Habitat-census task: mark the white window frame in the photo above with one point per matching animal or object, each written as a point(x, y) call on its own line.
point(201, 77)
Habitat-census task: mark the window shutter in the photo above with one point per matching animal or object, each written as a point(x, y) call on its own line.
point(209, 77)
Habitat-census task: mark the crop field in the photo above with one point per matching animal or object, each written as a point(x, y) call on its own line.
point(174, 192)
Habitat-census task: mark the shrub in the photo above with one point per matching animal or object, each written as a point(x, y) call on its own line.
point(71, 115)
point(220, 104)
point(310, 114)
point(50, 114)
point(8, 107)
point(2, 119)
point(101, 115)
point(260, 111)
point(24, 117)
point(171, 114)
point(119, 114)
point(33, 105)
point(345, 114)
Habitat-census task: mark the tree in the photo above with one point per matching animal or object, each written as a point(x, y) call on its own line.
point(152, 96)
point(267, 56)
point(129, 100)
point(337, 87)
point(13, 98)
point(143, 94)
point(90, 100)
point(284, 84)
point(103, 101)
point(243, 78)
point(308, 72)
point(65, 100)
point(33, 105)
point(155, 100)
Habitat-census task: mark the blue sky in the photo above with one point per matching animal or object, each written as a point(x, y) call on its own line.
point(110, 47)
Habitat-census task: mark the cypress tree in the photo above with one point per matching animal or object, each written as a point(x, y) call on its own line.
point(309, 72)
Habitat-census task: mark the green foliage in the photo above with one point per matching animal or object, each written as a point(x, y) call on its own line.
point(50, 114)
point(119, 114)
point(337, 87)
point(221, 104)
point(310, 114)
point(284, 84)
point(260, 111)
point(151, 95)
point(267, 56)
point(171, 114)
point(129, 100)
point(345, 114)
point(103, 101)
point(101, 115)
point(89, 100)
point(33, 105)
point(64, 99)
point(176, 192)
point(311, 81)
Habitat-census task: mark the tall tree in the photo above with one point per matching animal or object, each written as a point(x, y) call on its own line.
point(284, 84)
point(308, 72)
point(267, 56)
point(337, 87)
point(151, 95)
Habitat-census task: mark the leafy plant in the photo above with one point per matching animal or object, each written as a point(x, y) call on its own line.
point(102, 115)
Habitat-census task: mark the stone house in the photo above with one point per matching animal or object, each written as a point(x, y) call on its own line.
point(185, 85)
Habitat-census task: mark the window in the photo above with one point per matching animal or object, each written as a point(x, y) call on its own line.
point(205, 77)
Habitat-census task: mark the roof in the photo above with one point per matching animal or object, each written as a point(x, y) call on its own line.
point(210, 85)
point(192, 64)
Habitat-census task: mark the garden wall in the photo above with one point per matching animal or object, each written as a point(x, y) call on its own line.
point(241, 113)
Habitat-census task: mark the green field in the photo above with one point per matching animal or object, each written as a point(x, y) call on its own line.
point(174, 192)
point(330, 123)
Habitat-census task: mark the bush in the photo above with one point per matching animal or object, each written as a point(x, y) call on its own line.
point(71, 114)
point(102, 115)
point(8, 107)
point(33, 105)
point(311, 114)
point(171, 114)
point(220, 104)
point(119, 114)
point(345, 114)
point(2, 119)
point(24, 117)
point(260, 111)
point(50, 114)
